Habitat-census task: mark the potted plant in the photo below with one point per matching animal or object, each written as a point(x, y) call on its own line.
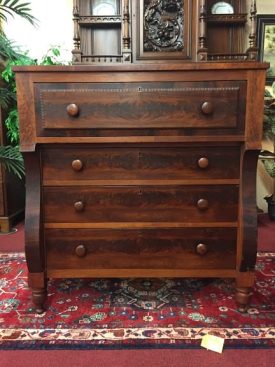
point(12, 190)
point(268, 156)
point(9, 153)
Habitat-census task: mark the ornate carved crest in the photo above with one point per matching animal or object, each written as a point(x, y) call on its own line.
point(163, 25)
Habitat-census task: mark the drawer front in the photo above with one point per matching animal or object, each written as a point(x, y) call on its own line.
point(130, 163)
point(141, 204)
point(201, 248)
point(161, 105)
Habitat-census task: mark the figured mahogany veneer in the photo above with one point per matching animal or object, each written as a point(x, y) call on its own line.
point(179, 248)
point(109, 105)
point(141, 203)
point(70, 163)
point(141, 171)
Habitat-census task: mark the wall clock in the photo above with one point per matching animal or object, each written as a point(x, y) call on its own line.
point(222, 7)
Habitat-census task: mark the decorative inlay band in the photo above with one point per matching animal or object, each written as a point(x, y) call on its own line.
point(140, 90)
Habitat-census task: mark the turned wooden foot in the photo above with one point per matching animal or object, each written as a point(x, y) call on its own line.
point(243, 296)
point(38, 285)
point(38, 298)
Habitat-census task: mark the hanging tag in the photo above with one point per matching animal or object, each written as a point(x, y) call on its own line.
point(212, 342)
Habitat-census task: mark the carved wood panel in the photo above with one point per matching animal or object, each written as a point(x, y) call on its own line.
point(163, 29)
point(163, 25)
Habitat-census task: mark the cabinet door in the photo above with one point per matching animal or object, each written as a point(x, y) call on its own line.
point(163, 29)
point(100, 30)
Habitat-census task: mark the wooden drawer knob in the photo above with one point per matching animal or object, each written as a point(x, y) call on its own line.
point(80, 251)
point(202, 204)
point(77, 165)
point(73, 110)
point(203, 162)
point(79, 206)
point(207, 108)
point(201, 249)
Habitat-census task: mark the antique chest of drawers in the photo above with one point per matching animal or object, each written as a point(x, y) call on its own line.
point(141, 171)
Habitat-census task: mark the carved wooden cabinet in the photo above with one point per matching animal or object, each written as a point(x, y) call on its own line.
point(141, 170)
point(143, 31)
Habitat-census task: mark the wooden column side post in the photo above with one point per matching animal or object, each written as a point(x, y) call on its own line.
point(248, 209)
point(255, 108)
point(202, 52)
point(26, 110)
point(247, 229)
point(252, 52)
point(249, 160)
point(76, 38)
point(126, 39)
point(34, 242)
point(247, 233)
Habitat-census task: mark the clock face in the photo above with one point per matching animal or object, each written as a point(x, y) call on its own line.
point(222, 7)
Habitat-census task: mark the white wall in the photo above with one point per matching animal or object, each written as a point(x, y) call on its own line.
point(55, 28)
point(266, 6)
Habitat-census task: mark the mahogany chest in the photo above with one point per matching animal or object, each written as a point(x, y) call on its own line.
point(141, 171)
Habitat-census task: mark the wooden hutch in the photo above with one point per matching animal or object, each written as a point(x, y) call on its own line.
point(162, 31)
point(141, 156)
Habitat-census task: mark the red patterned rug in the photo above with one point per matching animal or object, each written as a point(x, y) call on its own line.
point(134, 313)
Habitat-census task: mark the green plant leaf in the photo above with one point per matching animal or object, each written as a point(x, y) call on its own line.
point(6, 98)
point(16, 7)
point(269, 166)
point(56, 52)
point(12, 160)
point(12, 125)
point(8, 50)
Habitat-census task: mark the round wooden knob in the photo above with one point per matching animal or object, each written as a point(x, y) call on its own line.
point(201, 249)
point(207, 108)
point(79, 206)
point(202, 204)
point(80, 251)
point(77, 165)
point(203, 162)
point(73, 110)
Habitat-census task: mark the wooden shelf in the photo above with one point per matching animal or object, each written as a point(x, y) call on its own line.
point(102, 19)
point(88, 59)
point(226, 57)
point(227, 18)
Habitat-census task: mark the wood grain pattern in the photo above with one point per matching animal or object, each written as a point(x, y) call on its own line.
point(141, 273)
point(72, 70)
point(141, 204)
point(148, 104)
point(34, 248)
point(140, 225)
point(186, 182)
point(156, 248)
point(169, 163)
point(249, 210)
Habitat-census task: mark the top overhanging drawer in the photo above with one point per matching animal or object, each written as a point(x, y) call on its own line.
point(145, 105)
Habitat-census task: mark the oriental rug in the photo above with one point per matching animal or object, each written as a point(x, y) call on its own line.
point(134, 313)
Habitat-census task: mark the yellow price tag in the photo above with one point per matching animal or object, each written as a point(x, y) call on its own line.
point(212, 342)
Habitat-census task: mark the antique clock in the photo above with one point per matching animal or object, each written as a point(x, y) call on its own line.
point(222, 7)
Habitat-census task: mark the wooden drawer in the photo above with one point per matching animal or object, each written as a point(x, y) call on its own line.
point(141, 204)
point(161, 105)
point(129, 163)
point(201, 248)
